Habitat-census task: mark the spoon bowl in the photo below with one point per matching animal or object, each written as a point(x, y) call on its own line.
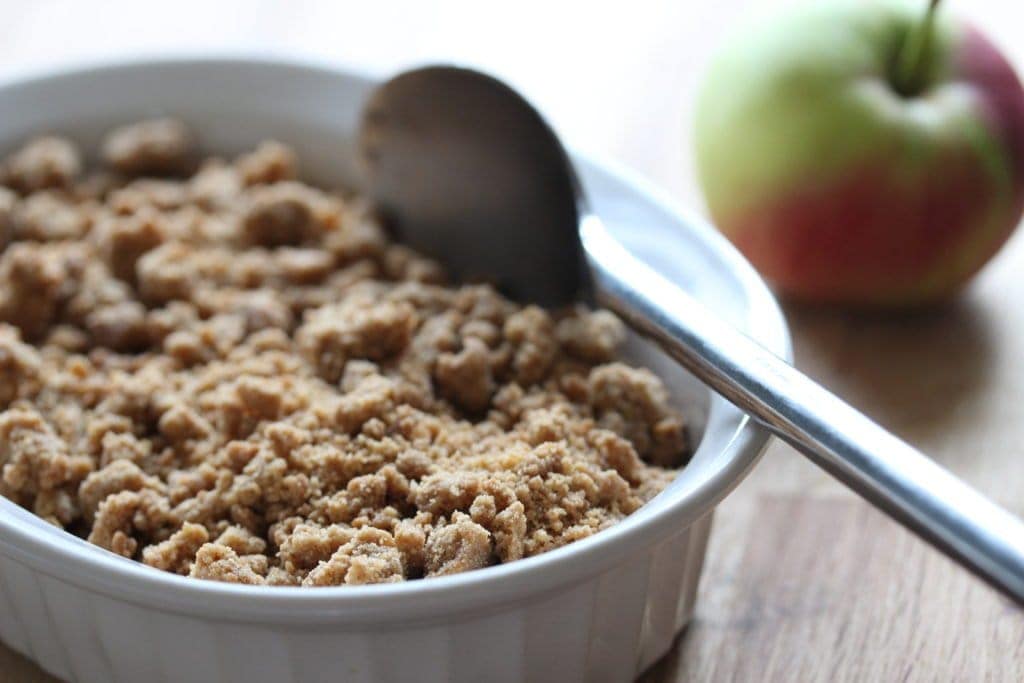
point(500, 204)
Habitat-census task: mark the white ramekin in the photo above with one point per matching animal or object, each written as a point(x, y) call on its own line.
point(601, 609)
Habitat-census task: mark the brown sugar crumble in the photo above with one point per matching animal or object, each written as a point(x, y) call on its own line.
point(218, 371)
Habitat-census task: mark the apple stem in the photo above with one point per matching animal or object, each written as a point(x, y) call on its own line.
point(914, 57)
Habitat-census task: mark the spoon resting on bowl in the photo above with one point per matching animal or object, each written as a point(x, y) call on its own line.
point(470, 173)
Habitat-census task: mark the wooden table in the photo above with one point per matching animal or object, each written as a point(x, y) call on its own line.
point(803, 581)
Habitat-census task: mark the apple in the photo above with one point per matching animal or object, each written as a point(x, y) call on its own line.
point(863, 153)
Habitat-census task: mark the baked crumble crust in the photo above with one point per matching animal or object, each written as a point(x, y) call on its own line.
point(217, 370)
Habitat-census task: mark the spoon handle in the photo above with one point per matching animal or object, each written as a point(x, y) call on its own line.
point(903, 482)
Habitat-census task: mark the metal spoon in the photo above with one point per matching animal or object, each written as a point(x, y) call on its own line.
point(470, 173)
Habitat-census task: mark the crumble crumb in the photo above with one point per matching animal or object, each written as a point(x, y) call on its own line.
point(156, 147)
point(42, 163)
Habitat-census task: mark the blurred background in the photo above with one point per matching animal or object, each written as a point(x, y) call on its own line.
point(618, 79)
point(803, 581)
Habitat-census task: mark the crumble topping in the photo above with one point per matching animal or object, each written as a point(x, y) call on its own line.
point(217, 370)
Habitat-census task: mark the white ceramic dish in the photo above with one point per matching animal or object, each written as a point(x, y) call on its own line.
point(601, 609)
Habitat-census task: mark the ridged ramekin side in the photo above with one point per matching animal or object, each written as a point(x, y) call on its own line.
point(607, 628)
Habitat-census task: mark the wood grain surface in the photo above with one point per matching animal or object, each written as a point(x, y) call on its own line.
point(851, 598)
point(803, 581)
point(807, 582)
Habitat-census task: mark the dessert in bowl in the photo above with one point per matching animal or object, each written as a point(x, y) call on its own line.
point(539, 435)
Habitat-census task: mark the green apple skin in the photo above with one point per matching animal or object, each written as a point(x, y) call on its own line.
point(838, 188)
